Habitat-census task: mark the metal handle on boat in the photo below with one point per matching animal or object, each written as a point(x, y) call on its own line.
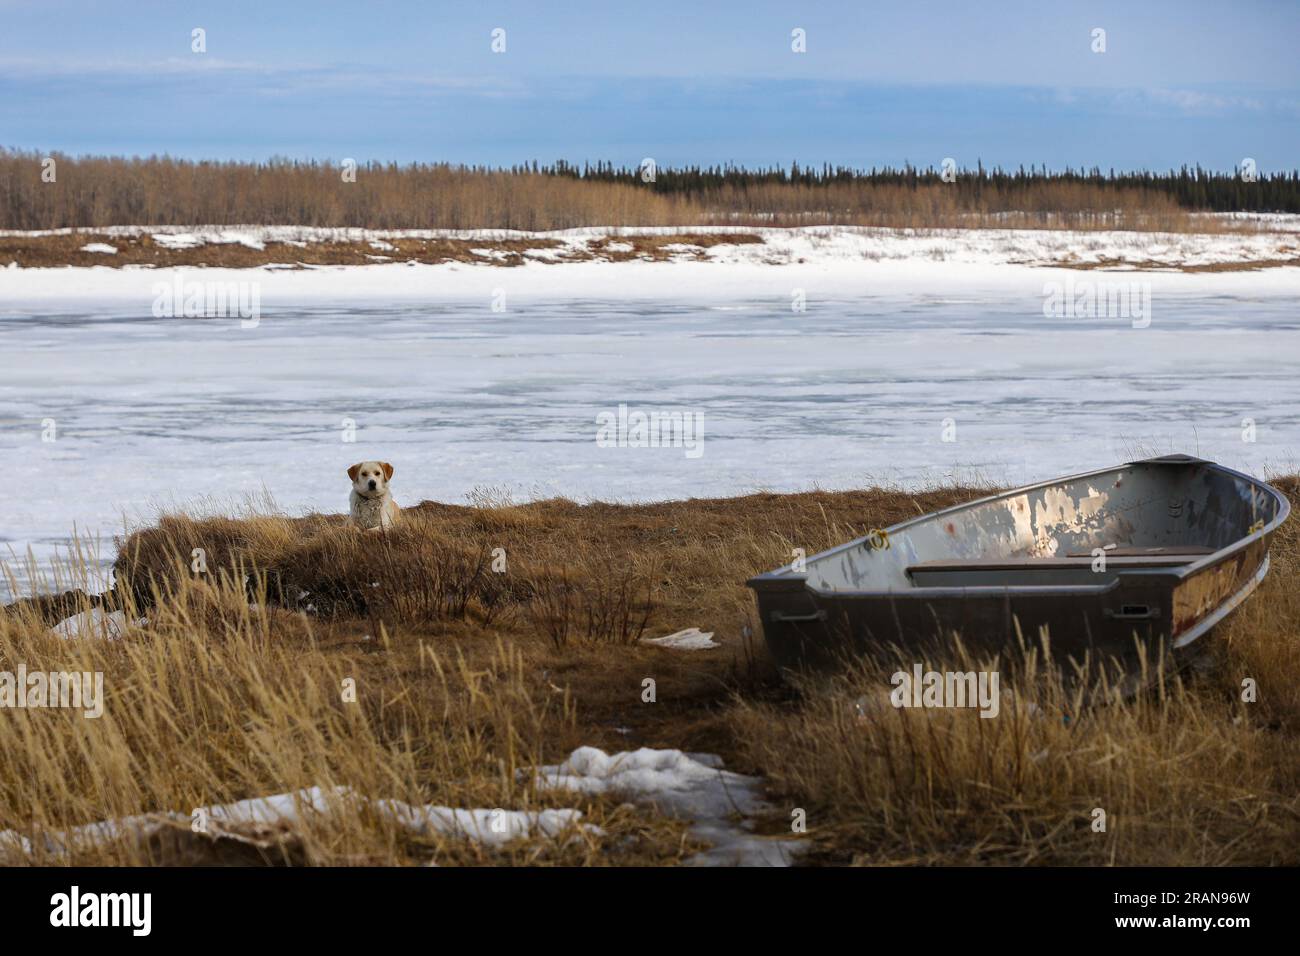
point(1134, 612)
point(780, 617)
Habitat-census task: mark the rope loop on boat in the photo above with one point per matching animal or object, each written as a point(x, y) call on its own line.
point(878, 539)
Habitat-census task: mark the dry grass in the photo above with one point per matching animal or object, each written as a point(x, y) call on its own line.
point(44, 251)
point(232, 689)
point(1108, 264)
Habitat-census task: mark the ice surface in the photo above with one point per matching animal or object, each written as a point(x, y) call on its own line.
point(152, 413)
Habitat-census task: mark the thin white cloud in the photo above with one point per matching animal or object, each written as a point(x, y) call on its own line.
point(34, 68)
point(1201, 103)
point(1165, 100)
point(279, 77)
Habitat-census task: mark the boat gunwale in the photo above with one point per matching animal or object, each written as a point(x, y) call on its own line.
point(1171, 575)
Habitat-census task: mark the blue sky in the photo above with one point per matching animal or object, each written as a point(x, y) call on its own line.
point(881, 83)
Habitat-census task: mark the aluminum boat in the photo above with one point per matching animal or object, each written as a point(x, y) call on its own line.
point(1147, 555)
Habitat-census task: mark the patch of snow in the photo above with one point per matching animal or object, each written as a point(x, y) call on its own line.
point(254, 237)
point(489, 827)
point(691, 639)
point(685, 786)
point(178, 240)
point(101, 247)
point(250, 239)
point(492, 828)
point(95, 622)
point(1277, 221)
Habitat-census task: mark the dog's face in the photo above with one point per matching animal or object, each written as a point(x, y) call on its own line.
point(370, 478)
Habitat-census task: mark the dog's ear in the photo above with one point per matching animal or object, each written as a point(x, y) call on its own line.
point(388, 470)
point(352, 472)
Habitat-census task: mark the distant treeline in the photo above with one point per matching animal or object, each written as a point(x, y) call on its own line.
point(1192, 188)
point(39, 191)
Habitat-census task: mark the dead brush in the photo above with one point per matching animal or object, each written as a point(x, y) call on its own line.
point(414, 573)
point(422, 580)
point(155, 561)
point(601, 600)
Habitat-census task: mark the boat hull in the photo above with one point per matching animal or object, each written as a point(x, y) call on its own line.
point(1147, 605)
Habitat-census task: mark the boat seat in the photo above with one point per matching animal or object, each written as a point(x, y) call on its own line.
point(1073, 568)
point(1131, 552)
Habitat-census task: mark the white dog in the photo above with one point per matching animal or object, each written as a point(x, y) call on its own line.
point(372, 503)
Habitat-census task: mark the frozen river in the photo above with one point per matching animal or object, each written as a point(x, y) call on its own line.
point(108, 415)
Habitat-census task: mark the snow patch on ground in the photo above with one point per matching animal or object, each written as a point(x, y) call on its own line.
point(492, 828)
point(691, 639)
point(101, 247)
point(94, 623)
point(244, 819)
point(179, 240)
point(685, 786)
point(254, 237)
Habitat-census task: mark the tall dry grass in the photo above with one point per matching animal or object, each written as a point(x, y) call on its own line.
point(1186, 774)
point(228, 684)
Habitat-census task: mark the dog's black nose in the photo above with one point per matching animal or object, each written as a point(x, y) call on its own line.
point(372, 484)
